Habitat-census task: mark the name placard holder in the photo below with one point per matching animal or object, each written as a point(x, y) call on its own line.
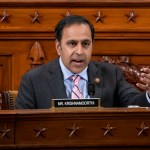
point(66, 103)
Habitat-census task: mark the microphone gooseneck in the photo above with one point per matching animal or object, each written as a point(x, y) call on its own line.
point(91, 89)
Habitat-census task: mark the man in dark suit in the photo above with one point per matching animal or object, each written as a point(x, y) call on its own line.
point(74, 44)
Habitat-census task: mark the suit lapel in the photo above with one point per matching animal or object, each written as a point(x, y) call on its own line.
point(56, 84)
point(55, 79)
point(96, 78)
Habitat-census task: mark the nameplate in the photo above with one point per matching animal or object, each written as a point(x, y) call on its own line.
point(92, 102)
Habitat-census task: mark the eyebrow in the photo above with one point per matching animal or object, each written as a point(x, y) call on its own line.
point(73, 40)
point(86, 40)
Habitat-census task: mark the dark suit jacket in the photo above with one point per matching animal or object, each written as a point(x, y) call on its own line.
point(39, 86)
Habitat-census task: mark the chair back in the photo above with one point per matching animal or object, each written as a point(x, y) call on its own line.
point(7, 99)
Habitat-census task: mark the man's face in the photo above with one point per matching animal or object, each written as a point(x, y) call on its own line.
point(75, 47)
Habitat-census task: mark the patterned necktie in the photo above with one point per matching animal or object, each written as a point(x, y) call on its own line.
point(76, 93)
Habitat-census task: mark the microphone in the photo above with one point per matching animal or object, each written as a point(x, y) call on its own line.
point(91, 89)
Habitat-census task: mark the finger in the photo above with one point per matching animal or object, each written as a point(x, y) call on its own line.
point(145, 77)
point(145, 80)
point(146, 70)
point(143, 86)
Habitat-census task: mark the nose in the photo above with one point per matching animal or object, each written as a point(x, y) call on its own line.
point(79, 50)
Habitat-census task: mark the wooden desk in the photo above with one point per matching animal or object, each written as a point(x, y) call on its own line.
point(75, 129)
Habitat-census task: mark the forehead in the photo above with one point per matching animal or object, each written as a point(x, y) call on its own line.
point(77, 31)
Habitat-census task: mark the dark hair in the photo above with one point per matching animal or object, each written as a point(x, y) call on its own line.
point(69, 20)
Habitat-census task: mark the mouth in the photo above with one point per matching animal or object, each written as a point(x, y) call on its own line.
point(77, 62)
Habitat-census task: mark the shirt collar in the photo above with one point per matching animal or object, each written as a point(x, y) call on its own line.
point(67, 73)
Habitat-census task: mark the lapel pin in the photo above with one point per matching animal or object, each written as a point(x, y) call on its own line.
point(97, 80)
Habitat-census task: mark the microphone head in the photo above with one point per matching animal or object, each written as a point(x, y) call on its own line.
point(91, 89)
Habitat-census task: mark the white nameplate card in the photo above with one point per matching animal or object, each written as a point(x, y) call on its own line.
point(92, 102)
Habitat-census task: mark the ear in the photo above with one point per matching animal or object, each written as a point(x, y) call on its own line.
point(58, 48)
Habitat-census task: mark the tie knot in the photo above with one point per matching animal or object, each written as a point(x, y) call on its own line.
point(76, 79)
